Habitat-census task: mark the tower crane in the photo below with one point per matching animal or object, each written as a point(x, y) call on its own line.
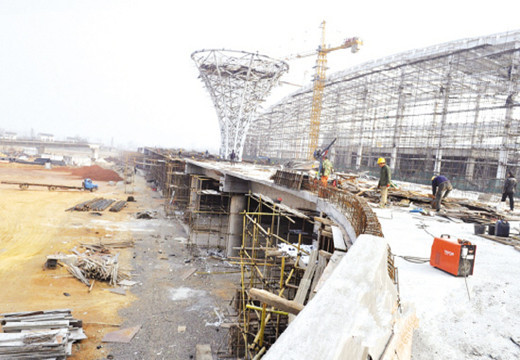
point(319, 83)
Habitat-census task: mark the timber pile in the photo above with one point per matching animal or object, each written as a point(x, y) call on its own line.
point(104, 247)
point(97, 204)
point(39, 334)
point(96, 264)
point(118, 206)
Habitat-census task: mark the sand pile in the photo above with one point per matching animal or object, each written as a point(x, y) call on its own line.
point(95, 172)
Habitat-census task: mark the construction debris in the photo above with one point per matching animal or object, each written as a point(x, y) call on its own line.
point(203, 352)
point(39, 334)
point(92, 264)
point(122, 336)
point(466, 210)
point(145, 215)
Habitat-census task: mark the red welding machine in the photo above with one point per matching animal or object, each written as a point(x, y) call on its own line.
point(457, 258)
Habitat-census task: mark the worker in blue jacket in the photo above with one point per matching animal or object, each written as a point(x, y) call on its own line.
point(441, 187)
point(509, 189)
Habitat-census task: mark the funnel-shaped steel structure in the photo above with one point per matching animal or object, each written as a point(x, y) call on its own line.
point(238, 82)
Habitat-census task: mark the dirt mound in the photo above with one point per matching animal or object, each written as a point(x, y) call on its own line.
point(95, 172)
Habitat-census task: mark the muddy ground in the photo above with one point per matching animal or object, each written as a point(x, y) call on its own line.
point(176, 302)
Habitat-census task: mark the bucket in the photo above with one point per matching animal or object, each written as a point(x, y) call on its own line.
point(479, 229)
point(502, 228)
point(491, 229)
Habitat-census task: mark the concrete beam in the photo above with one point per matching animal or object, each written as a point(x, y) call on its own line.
point(233, 184)
point(194, 169)
point(235, 224)
point(292, 198)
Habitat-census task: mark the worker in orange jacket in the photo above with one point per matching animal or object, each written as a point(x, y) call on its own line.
point(327, 169)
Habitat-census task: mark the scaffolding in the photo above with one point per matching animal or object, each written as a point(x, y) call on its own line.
point(449, 108)
point(208, 214)
point(263, 266)
point(166, 171)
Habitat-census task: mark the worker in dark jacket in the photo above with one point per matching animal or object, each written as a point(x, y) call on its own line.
point(509, 189)
point(232, 156)
point(441, 187)
point(385, 179)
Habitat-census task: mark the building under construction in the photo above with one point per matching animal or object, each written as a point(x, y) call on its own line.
point(449, 109)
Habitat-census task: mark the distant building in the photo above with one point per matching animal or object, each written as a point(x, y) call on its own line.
point(45, 137)
point(75, 139)
point(9, 135)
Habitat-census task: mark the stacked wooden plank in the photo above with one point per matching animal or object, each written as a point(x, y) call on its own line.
point(511, 240)
point(97, 204)
point(39, 334)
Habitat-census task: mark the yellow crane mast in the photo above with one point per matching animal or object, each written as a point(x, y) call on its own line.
point(319, 84)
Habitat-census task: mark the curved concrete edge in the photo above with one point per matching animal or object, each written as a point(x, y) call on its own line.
point(339, 217)
point(354, 313)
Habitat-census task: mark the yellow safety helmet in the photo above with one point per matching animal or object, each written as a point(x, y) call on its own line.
point(381, 161)
point(433, 177)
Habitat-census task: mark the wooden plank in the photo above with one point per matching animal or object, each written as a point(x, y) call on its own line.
point(276, 301)
point(326, 233)
point(365, 190)
point(188, 272)
point(339, 242)
point(42, 317)
point(203, 352)
point(324, 220)
point(306, 281)
point(31, 313)
point(31, 325)
point(322, 264)
point(121, 336)
point(501, 239)
point(324, 254)
point(49, 337)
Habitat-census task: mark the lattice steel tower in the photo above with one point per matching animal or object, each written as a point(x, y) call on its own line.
point(237, 82)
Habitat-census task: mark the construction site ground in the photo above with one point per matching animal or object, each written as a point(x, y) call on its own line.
point(182, 293)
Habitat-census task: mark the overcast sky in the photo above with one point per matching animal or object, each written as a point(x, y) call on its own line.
point(113, 70)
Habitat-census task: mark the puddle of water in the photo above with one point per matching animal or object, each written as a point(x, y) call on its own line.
point(184, 293)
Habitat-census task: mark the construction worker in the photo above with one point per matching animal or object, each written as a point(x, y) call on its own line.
point(441, 187)
point(232, 156)
point(327, 170)
point(385, 179)
point(508, 191)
